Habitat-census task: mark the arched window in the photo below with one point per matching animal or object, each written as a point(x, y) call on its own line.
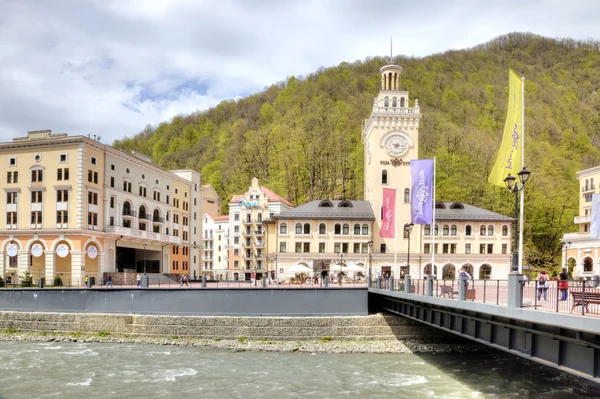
point(365, 229)
point(427, 270)
point(588, 265)
point(468, 230)
point(127, 209)
point(436, 231)
point(386, 101)
point(402, 102)
point(298, 228)
point(448, 271)
point(407, 195)
point(453, 230)
point(142, 214)
point(356, 229)
point(346, 229)
point(490, 230)
point(427, 231)
point(445, 230)
point(306, 228)
point(394, 102)
point(482, 231)
point(337, 229)
point(322, 229)
point(485, 272)
point(504, 231)
point(384, 179)
point(283, 228)
point(469, 268)
point(156, 216)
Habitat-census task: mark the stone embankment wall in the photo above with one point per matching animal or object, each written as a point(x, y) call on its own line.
point(374, 327)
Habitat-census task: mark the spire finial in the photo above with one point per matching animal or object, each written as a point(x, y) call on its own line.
point(391, 48)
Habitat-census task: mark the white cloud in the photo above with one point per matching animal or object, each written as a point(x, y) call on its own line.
point(111, 67)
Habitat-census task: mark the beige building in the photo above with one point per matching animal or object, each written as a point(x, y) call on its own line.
point(580, 251)
point(76, 207)
point(215, 241)
point(211, 202)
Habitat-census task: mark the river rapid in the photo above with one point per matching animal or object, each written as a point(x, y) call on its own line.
point(94, 370)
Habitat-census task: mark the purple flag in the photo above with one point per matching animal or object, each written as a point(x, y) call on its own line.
point(421, 196)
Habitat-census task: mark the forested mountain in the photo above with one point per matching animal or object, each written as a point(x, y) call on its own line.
point(302, 137)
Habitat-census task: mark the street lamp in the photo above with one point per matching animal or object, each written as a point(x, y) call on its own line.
point(514, 188)
point(566, 245)
point(370, 243)
point(408, 228)
point(145, 258)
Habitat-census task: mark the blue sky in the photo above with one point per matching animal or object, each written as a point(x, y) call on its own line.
point(110, 67)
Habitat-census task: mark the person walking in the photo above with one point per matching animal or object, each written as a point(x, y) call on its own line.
point(184, 280)
point(139, 280)
point(563, 284)
point(542, 284)
point(85, 281)
point(109, 281)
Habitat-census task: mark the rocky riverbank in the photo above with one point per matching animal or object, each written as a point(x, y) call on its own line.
point(243, 344)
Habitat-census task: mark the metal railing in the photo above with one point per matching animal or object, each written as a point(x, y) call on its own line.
point(572, 296)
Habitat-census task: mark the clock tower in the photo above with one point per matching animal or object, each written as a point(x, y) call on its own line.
point(391, 140)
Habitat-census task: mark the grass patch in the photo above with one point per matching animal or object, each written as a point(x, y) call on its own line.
point(103, 333)
point(76, 334)
point(242, 340)
point(44, 333)
point(10, 330)
point(326, 338)
point(174, 337)
point(216, 339)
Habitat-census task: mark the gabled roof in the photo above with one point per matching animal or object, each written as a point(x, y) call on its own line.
point(271, 197)
point(464, 212)
point(222, 218)
point(330, 210)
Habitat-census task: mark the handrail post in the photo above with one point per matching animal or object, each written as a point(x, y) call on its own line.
point(407, 284)
point(583, 299)
point(515, 290)
point(429, 286)
point(463, 283)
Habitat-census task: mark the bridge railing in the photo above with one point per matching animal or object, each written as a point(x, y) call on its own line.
point(573, 296)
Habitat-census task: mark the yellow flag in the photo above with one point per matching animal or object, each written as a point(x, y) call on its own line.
point(510, 156)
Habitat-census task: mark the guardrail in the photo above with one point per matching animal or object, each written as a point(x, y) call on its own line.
point(573, 296)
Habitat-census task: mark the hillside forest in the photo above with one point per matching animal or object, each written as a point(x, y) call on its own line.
point(302, 137)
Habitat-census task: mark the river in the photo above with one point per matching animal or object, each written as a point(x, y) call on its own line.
point(78, 370)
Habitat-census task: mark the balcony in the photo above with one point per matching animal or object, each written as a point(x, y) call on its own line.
point(158, 220)
point(589, 188)
point(129, 214)
point(582, 219)
point(248, 221)
point(144, 216)
point(143, 235)
point(246, 244)
point(259, 233)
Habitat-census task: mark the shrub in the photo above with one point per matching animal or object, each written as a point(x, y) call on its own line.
point(26, 279)
point(58, 281)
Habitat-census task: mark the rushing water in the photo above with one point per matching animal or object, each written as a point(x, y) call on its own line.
point(73, 370)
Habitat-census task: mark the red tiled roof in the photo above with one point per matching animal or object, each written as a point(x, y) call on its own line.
point(222, 217)
point(273, 197)
point(237, 198)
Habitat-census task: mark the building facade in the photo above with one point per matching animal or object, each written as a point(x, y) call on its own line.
point(581, 252)
point(76, 207)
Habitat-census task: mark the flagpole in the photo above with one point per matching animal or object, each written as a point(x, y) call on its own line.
point(522, 165)
point(395, 229)
point(433, 273)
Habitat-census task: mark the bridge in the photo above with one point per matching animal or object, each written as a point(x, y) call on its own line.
point(507, 315)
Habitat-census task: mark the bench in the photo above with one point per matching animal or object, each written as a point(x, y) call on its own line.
point(448, 290)
point(581, 298)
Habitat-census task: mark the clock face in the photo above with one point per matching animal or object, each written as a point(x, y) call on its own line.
point(369, 153)
point(396, 145)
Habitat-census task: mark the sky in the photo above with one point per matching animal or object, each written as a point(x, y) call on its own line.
point(111, 67)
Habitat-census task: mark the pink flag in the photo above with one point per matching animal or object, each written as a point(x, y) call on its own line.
point(388, 211)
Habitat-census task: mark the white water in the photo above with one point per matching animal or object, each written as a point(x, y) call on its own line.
point(73, 370)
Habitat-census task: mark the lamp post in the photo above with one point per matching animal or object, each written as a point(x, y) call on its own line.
point(370, 243)
point(145, 258)
point(408, 228)
point(566, 245)
point(514, 187)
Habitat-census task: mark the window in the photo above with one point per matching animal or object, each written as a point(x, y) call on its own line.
point(282, 247)
point(452, 248)
point(384, 177)
point(112, 181)
point(394, 101)
point(444, 248)
point(356, 248)
point(142, 191)
point(36, 197)
point(406, 195)
point(62, 195)
point(382, 248)
point(112, 221)
point(482, 231)
point(427, 230)
point(92, 198)
point(236, 252)
point(92, 219)
point(37, 175)
point(62, 217)
point(436, 232)
point(490, 248)
point(356, 229)
point(588, 198)
point(93, 160)
point(365, 229)
point(336, 247)
point(12, 161)
point(11, 198)
point(402, 102)
point(337, 229)
point(236, 240)
point(490, 230)
point(298, 247)
point(12, 177)
point(322, 229)
point(505, 229)
point(90, 174)
point(95, 177)
point(445, 231)
point(36, 217)
point(468, 230)
point(63, 157)
point(481, 248)
point(346, 229)
point(426, 248)
point(298, 228)
point(467, 248)
point(11, 217)
point(453, 230)
point(306, 247)
point(588, 265)
point(386, 101)
point(306, 228)
point(504, 249)
point(321, 247)
point(236, 229)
